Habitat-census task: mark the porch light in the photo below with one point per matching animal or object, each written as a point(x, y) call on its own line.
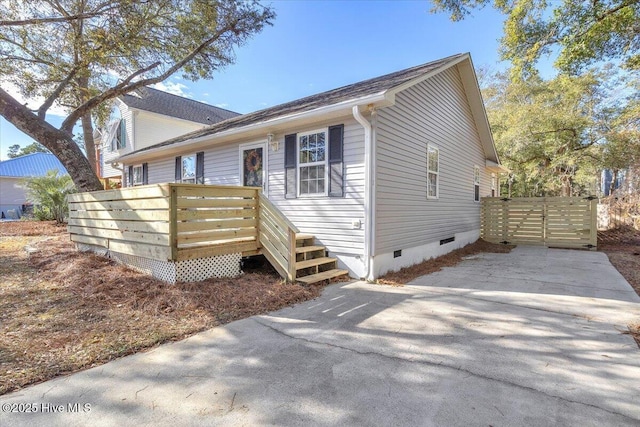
point(273, 142)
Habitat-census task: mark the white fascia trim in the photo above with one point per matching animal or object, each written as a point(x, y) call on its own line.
point(496, 167)
point(379, 98)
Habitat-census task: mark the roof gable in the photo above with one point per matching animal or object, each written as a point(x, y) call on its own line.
point(157, 101)
point(35, 164)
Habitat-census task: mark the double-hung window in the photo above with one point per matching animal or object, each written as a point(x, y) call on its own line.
point(476, 184)
point(137, 175)
point(189, 169)
point(433, 172)
point(138, 178)
point(312, 163)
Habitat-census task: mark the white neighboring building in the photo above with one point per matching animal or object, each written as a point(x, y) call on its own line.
point(144, 117)
point(13, 197)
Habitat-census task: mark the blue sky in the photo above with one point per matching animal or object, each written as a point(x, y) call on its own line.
point(315, 46)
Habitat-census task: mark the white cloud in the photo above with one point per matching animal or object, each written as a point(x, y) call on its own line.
point(33, 103)
point(222, 105)
point(174, 88)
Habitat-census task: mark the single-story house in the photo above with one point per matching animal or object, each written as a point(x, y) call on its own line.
point(384, 173)
point(13, 197)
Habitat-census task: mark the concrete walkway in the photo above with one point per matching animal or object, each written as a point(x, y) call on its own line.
point(534, 337)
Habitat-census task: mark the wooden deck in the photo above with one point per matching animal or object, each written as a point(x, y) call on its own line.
point(167, 221)
point(177, 222)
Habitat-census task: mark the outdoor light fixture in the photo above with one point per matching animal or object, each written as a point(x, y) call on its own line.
point(273, 142)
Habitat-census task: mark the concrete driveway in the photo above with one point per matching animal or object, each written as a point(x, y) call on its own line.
point(534, 337)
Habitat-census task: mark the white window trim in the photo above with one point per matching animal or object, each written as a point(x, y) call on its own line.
point(324, 163)
point(265, 160)
point(195, 169)
point(437, 196)
point(476, 182)
point(133, 179)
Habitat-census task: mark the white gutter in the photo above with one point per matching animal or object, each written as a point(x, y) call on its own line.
point(369, 192)
point(282, 120)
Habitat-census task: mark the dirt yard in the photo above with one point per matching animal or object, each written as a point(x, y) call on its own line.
point(62, 311)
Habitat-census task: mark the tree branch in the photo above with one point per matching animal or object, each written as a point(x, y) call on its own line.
point(51, 20)
point(42, 111)
point(126, 86)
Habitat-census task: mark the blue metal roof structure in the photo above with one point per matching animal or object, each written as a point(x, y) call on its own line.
point(35, 164)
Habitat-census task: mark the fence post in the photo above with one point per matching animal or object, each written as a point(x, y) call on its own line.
point(593, 236)
point(291, 268)
point(173, 221)
point(259, 197)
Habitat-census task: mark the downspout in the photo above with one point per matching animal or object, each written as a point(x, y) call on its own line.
point(369, 190)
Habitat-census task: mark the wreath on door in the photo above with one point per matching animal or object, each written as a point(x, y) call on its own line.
point(253, 161)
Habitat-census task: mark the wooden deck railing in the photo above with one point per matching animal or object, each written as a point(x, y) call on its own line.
point(213, 220)
point(184, 221)
point(277, 238)
point(134, 221)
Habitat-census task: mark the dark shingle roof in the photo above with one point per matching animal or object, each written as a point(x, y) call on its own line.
point(341, 94)
point(160, 102)
point(35, 164)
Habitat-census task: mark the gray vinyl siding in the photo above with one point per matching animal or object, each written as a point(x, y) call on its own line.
point(161, 171)
point(434, 112)
point(220, 166)
point(328, 218)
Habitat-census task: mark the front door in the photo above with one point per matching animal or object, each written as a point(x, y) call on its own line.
point(253, 167)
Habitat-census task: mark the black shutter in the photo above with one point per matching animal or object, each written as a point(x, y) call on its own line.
point(290, 178)
point(336, 165)
point(179, 169)
point(145, 173)
point(200, 167)
point(130, 177)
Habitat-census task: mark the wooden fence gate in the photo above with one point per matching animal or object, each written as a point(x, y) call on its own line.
point(566, 222)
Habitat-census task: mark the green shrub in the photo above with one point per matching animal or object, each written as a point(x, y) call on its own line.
point(49, 195)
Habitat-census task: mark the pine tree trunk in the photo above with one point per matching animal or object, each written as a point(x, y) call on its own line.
point(58, 142)
point(614, 181)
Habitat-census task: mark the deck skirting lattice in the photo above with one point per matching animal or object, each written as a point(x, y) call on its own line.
point(191, 270)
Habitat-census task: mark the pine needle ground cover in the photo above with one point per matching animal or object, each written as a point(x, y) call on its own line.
point(62, 311)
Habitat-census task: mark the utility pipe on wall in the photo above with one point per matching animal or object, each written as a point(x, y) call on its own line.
point(369, 191)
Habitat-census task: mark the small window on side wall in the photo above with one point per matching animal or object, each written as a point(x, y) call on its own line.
point(190, 169)
point(137, 175)
point(433, 172)
point(476, 184)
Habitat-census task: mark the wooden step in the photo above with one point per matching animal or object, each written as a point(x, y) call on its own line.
point(319, 277)
point(313, 262)
point(304, 236)
point(303, 249)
